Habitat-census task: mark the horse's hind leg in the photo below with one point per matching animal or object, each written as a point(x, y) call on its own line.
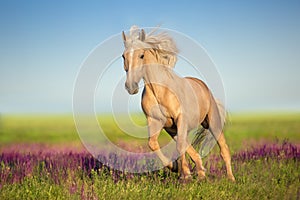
point(198, 162)
point(194, 156)
point(215, 127)
point(225, 153)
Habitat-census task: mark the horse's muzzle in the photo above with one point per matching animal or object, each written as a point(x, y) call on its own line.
point(132, 89)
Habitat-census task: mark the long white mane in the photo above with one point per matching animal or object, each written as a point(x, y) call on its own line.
point(162, 43)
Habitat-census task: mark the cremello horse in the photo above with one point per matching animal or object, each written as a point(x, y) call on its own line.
point(170, 102)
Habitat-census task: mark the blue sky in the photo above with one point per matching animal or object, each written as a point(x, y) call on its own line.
point(255, 45)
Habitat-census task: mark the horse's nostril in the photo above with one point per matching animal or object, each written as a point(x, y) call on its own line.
point(132, 89)
point(128, 86)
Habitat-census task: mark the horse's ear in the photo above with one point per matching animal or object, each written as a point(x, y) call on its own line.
point(123, 36)
point(142, 35)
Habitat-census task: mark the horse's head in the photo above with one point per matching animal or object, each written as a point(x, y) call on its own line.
point(143, 50)
point(134, 61)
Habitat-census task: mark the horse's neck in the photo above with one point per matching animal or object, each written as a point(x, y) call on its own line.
point(157, 74)
point(158, 77)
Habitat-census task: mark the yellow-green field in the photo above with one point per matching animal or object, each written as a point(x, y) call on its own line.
point(242, 130)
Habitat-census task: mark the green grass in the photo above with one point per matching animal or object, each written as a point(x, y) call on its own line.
point(256, 179)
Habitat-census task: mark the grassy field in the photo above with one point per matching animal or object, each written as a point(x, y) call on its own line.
point(41, 157)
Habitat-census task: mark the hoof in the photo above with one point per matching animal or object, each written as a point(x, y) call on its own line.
point(202, 178)
point(201, 173)
point(175, 166)
point(185, 179)
point(231, 178)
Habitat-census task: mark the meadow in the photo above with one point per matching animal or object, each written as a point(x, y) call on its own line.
point(41, 157)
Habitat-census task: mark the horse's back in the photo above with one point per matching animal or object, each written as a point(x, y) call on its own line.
point(194, 80)
point(200, 88)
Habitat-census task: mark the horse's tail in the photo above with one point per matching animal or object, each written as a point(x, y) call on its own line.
point(204, 140)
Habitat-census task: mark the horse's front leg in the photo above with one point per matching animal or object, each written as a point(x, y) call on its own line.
point(154, 128)
point(182, 147)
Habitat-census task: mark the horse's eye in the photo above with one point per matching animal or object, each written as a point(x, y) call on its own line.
point(142, 56)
